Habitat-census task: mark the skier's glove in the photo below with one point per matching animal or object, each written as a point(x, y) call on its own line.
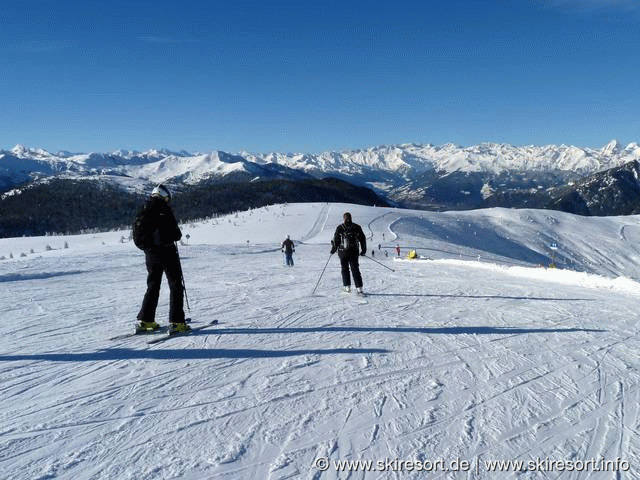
point(363, 252)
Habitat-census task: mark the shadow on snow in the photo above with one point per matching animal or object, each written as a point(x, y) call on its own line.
point(114, 354)
point(18, 277)
point(468, 330)
point(499, 297)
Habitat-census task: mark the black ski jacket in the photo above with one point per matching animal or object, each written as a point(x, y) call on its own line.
point(351, 228)
point(288, 246)
point(161, 226)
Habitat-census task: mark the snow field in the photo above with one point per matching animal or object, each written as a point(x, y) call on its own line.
point(477, 354)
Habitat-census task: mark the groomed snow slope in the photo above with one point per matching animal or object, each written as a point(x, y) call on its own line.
point(476, 353)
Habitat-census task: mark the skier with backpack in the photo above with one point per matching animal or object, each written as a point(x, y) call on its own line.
point(155, 230)
point(288, 248)
point(350, 242)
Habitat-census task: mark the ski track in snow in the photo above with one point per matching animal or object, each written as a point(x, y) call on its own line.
point(442, 360)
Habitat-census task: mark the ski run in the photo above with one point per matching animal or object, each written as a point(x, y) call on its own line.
point(474, 361)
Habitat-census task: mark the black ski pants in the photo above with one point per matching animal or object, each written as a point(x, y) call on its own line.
point(161, 260)
point(349, 260)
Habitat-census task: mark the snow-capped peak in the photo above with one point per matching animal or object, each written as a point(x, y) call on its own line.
point(612, 148)
point(19, 150)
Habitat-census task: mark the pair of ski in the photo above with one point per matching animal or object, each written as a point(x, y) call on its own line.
point(163, 333)
point(356, 297)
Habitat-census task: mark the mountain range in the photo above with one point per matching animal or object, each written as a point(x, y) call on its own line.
point(582, 180)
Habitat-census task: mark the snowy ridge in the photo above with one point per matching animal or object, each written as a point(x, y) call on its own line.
point(563, 277)
point(405, 161)
point(489, 157)
point(480, 354)
point(189, 169)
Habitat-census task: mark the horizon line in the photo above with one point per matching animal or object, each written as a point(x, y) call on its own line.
point(245, 151)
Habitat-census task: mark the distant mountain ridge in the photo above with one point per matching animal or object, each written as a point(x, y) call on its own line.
point(580, 180)
point(384, 168)
point(448, 158)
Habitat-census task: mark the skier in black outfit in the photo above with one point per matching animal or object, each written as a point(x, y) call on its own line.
point(158, 231)
point(288, 248)
point(349, 241)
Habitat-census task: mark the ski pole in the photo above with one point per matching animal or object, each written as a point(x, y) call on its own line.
point(184, 287)
point(325, 267)
point(379, 263)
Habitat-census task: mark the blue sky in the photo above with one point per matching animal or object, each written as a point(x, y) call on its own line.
point(312, 76)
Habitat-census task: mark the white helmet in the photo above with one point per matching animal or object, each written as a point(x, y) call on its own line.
point(162, 192)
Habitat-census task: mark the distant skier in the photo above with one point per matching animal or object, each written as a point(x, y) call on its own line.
point(349, 241)
point(398, 250)
point(155, 231)
point(288, 248)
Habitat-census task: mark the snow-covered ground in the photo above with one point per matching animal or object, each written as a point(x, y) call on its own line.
point(475, 353)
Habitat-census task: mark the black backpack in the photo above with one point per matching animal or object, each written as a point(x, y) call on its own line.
point(348, 238)
point(141, 231)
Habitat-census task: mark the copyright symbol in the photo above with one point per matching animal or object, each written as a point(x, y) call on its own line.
point(321, 464)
